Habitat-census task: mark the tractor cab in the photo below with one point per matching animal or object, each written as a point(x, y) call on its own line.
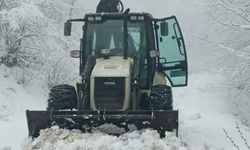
point(158, 44)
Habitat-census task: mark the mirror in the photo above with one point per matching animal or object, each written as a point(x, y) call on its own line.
point(67, 29)
point(164, 28)
point(75, 54)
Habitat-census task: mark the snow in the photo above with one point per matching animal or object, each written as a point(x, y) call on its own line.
point(204, 113)
point(247, 27)
point(14, 100)
point(26, 11)
point(237, 53)
point(61, 139)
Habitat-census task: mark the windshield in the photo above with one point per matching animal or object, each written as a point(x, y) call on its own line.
point(109, 35)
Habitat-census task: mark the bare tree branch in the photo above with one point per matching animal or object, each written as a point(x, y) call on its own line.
point(242, 137)
point(225, 6)
point(236, 10)
point(237, 53)
point(1, 4)
point(71, 8)
point(231, 139)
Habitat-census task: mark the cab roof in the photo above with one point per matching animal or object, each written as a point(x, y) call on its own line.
point(116, 15)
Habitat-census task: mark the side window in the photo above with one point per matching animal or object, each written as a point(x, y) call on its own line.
point(134, 38)
point(112, 43)
point(94, 41)
point(135, 32)
point(173, 59)
point(91, 40)
point(137, 45)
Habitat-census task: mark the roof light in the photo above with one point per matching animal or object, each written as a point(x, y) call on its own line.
point(141, 18)
point(91, 18)
point(133, 17)
point(98, 18)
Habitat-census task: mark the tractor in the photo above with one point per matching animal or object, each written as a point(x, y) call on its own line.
point(129, 63)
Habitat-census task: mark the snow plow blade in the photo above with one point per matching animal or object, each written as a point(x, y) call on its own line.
point(84, 120)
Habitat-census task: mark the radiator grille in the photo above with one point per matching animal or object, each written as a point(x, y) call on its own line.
point(109, 93)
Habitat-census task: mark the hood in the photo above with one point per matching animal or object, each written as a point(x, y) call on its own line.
point(112, 67)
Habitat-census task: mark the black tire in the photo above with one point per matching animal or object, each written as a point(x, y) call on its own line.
point(62, 97)
point(161, 98)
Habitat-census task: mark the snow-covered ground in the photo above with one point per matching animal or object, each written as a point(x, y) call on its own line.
point(59, 139)
point(204, 114)
point(14, 100)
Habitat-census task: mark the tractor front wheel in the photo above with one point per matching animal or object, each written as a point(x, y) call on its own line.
point(161, 98)
point(62, 97)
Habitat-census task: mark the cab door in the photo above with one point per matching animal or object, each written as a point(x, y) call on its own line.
point(173, 58)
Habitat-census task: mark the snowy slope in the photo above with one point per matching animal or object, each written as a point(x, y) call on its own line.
point(205, 113)
point(14, 100)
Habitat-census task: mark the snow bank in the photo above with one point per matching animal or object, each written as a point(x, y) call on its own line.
point(62, 139)
point(14, 100)
point(205, 111)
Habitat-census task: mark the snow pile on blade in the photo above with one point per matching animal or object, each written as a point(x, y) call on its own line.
point(62, 139)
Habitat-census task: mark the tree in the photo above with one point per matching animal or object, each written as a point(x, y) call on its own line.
point(233, 20)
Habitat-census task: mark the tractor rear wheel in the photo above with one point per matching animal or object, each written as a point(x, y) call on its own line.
point(161, 98)
point(62, 97)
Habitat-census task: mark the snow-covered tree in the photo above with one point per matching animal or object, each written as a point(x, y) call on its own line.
point(233, 21)
point(32, 38)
